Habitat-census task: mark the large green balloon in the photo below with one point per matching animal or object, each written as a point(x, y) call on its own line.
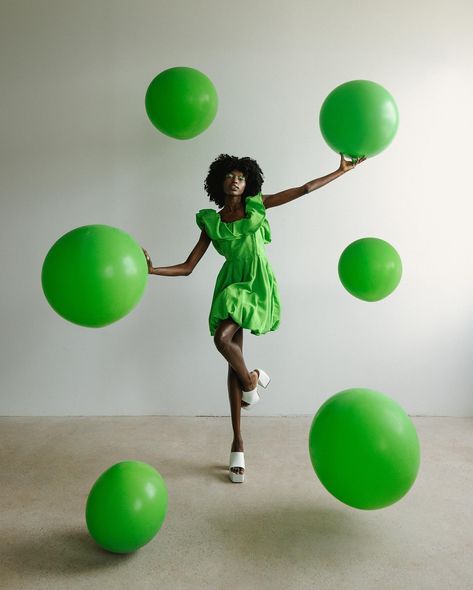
point(126, 506)
point(359, 118)
point(364, 448)
point(94, 275)
point(181, 102)
point(370, 269)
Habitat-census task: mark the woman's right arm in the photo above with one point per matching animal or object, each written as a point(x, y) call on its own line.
point(184, 269)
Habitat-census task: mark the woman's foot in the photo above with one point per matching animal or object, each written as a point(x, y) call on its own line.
point(254, 376)
point(253, 383)
point(237, 446)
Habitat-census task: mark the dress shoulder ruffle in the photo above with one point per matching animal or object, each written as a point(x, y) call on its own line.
point(217, 229)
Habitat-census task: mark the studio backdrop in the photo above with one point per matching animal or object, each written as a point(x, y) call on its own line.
point(77, 148)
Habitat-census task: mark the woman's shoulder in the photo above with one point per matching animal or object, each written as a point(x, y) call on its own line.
point(257, 197)
point(206, 218)
point(255, 202)
point(206, 211)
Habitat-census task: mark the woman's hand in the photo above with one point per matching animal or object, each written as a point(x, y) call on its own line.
point(346, 165)
point(148, 261)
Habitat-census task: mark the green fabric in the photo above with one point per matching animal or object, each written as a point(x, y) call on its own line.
point(246, 289)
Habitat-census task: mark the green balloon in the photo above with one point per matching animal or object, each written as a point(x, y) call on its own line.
point(126, 506)
point(364, 449)
point(359, 118)
point(181, 102)
point(94, 275)
point(370, 269)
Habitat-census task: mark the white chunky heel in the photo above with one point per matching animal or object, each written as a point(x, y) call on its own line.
point(252, 397)
point(263, 378)
point(237, 459)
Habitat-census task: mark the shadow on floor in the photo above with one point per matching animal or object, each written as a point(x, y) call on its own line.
point(306, 533)
point(60, 552)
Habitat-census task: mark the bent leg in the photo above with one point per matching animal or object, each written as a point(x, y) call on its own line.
point(231, 351)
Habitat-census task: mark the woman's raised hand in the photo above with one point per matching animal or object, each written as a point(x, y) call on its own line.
point(346, 165)
point(148, 261)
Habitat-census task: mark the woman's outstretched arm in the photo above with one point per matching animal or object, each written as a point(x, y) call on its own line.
point(294, 193)
point(184, 269)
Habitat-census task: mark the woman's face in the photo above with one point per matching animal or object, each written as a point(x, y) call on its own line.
point(234, 183)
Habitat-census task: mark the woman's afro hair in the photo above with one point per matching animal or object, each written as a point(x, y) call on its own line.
point(221, 166)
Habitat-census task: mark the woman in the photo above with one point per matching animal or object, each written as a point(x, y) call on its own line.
point(246, 294)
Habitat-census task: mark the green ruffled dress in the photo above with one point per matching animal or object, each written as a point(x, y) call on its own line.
point(246, 289)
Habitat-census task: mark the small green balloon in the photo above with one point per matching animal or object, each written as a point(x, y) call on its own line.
point(126, 506)
point(94, 275)
point(364, 449)
point(181, 102)
point(359, 118)
point(370, 269)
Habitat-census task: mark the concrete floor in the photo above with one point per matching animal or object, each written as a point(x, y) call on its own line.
point(280, 529)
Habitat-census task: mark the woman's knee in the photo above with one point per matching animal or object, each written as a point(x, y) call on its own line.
point(224, 333)
point(222, 339)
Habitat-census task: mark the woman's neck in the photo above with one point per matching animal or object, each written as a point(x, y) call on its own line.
point(233, 203)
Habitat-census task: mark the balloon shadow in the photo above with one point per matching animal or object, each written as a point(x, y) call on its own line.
point(60, 551)
point(305, 533)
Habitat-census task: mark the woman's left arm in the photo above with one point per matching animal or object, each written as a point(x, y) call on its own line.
point(294, 193)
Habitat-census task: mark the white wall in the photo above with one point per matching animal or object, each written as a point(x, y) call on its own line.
point(77, 148)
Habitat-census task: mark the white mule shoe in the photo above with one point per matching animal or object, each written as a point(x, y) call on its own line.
point(237, 459)
point(252, 397)
point(263, 378)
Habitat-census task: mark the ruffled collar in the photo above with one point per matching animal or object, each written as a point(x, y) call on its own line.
point(223, 230)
